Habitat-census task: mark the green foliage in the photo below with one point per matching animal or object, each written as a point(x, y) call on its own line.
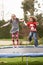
point(28, 5)
point(20, 30)
point(40, 26)
point(40, 31)
point(41, 41)
point(4, 32)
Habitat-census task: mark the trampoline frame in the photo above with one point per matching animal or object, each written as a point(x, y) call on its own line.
point(16, 54)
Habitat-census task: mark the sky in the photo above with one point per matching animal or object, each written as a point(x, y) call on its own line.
point(14, 7)
point(11, 7)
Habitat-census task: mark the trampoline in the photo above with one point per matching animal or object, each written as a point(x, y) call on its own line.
point(21, 51)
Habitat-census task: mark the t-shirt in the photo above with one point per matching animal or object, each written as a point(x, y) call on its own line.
point(32, 26)
point(15, 25)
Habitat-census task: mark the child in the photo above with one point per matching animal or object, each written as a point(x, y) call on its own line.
point(32, 24)
point(15, 28)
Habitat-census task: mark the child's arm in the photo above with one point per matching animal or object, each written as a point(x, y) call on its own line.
point(5, 25)
point(25, 23)
point(21, 20)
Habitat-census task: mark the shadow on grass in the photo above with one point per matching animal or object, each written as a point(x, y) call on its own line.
point(22, 63)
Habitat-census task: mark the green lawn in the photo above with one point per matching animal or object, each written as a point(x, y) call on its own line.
point(18, 61)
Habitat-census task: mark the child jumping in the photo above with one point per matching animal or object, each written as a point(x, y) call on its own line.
point(32, 24)
point(15, 28)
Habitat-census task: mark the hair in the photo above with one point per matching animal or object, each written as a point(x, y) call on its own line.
point(13, 15)
point(34, 18)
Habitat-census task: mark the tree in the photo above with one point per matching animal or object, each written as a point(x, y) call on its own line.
point(28, 6)
point(4, 32)
point(40, 26)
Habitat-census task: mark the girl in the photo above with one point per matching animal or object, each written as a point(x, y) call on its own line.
point(32, 24)
point(15, 28)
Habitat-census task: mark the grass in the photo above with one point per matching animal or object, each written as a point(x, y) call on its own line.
point(18, 61)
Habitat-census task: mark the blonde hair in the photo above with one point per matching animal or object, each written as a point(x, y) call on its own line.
point(13, 15)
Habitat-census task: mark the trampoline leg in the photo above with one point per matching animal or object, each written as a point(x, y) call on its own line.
point(22, 59)
point(26, 60)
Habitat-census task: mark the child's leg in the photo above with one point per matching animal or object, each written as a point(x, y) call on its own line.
point(35, 39)
point(30, 36)
point(17, 37)
point(13, 38)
